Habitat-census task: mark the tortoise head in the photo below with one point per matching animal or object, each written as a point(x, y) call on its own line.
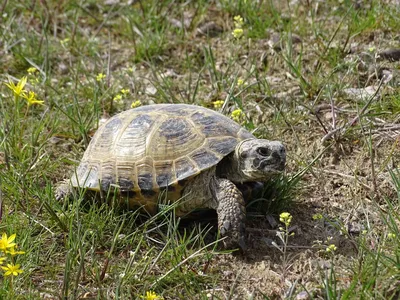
point(259, 159)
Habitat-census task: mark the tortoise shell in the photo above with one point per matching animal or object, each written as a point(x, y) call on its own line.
point(146, 150)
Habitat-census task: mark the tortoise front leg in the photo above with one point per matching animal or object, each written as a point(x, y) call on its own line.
point(231, 212)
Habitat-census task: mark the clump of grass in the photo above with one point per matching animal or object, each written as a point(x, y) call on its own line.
point(276, 195)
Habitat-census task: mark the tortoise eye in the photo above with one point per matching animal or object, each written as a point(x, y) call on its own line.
point(263, 151)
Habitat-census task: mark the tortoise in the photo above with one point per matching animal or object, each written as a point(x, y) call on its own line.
point(185, 151)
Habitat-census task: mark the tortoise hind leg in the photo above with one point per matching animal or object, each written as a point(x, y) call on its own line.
point(231, 212)
point(63, 190)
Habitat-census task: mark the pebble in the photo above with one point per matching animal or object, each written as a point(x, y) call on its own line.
point(210, 29)
point(360, 94)
point(302, 296)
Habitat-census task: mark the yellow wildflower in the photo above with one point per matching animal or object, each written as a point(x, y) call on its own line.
point(12, 269)
point(125, 91)
point(32, 70)
point(331, 248)
point(151, 296)
point(19, 88)
point(13, 252)
point(136, 103)
point(118, 98)
point(237, 114)
point(2, 259)
point(237, 33)
point(285, 218)
point(100, 77)
point(218, 103)
point(238, 20)
point(31, 99)
point(240, 82)
point(7, 242)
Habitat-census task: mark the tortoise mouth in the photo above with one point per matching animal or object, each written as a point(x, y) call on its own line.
point(265, 169)
point(271, 165)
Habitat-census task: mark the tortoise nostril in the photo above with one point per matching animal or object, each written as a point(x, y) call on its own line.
point(277, 155)
point(264, 151)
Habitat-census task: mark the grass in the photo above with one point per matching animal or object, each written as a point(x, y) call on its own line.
point(287, 74)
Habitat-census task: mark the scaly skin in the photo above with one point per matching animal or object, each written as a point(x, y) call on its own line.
point(231, 212)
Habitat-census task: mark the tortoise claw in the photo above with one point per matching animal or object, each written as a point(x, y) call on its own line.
point(63, 190)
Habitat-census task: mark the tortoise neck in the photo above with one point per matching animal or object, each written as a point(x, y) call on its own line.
point(229, 168)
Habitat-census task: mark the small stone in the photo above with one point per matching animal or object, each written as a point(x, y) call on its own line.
point(360, 94)
point(276, 42)
point(63, 68)
point(176, 23)
point(182, 24)
point(302, 296)
point(111, 2)
point(169, 73)
point(210, 29)
point(227, 273)
point(55, 140)
point(268, 241)
point(151, 90)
